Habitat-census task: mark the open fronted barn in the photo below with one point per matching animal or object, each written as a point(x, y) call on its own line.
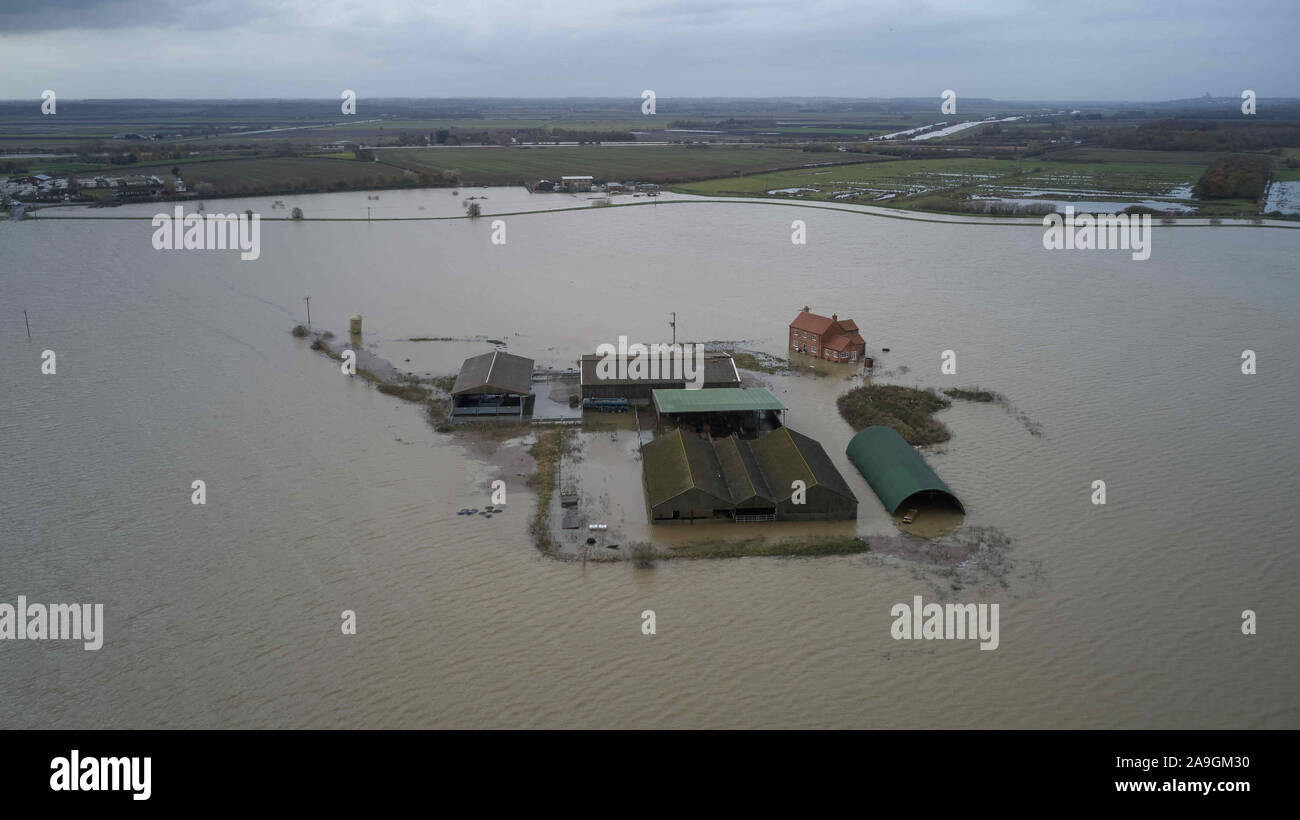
point(493, 384)
point(720, 411)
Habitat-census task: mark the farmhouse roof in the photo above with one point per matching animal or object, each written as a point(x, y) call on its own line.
point(844, 342)
point(811, 322)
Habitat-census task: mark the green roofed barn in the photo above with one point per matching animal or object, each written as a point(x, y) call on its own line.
point(719, 411)
point(715, 400)
point(896, 472)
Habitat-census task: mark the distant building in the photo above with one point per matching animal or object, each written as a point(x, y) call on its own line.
point(833, 338)
point(575, 184)
point(141, 181)
point(689, 478)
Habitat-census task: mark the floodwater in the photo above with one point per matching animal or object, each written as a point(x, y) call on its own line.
point(325, 495)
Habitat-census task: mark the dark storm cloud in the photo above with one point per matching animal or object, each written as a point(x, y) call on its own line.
point(18, 17)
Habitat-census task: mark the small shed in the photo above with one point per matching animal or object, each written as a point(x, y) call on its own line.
point(896, 472)
point(577, 183)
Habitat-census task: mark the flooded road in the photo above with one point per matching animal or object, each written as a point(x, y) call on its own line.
point(324, 495)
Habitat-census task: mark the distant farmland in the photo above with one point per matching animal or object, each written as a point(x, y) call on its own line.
point(650, 163)
point(289, 174)
point(943, 184)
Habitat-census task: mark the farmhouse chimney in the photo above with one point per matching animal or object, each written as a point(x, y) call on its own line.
point(805, 308)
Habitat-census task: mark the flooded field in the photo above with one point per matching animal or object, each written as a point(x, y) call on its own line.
point(325, 495)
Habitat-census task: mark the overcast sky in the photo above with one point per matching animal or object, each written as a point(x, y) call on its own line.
point(1005, 49)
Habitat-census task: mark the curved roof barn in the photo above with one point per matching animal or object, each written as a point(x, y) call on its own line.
point(895, 471)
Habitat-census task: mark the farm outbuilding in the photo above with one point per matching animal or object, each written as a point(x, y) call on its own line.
point(688, 477)
point(784, 457)
point(493, 384)
point(575, 184)
point(682, 479)
point(896, 471)
point(719, 371)
point(720, 410)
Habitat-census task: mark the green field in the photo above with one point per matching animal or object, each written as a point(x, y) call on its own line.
point(916, 183)
point(1130, 155)
point(652, 163)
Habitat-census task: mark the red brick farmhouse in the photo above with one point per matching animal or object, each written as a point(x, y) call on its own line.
point(833, 338)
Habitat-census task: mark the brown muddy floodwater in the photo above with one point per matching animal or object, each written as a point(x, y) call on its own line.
point(325, 495)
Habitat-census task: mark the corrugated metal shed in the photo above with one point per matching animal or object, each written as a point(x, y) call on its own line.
point(715, 400)
point(495, 372)
point(893, 468)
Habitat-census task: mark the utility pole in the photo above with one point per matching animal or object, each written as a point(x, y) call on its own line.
point(308, 298)
point(673, 325)
point(29, 326)
point(367, 213)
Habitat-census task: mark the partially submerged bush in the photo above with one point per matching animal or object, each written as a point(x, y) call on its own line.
point(971, 394)
point(908, 411)
point(300, 331)
point(642, 555)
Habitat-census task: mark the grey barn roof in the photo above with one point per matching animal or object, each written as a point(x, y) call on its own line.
point(719, 368)
point(495, 372)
